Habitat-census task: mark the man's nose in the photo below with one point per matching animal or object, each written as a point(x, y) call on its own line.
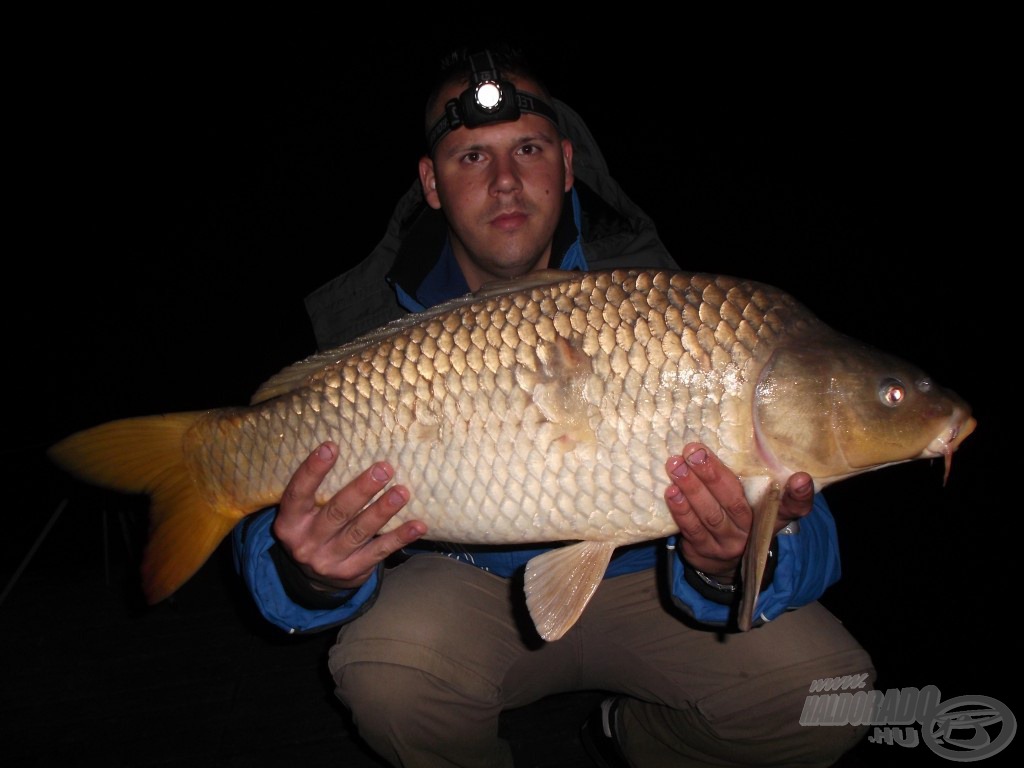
point(506, 176)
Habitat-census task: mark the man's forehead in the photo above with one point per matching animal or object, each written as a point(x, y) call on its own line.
point(528, 127)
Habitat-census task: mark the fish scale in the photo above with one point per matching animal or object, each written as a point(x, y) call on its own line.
point(552, 425)
point(541, 410)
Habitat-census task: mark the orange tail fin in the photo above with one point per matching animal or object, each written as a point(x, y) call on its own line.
point(147, 455)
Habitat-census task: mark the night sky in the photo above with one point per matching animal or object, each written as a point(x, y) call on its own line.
point(184, 192)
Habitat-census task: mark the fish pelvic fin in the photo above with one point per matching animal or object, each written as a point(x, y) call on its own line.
point(560, 583)
point(755, 557)
point(147, 455)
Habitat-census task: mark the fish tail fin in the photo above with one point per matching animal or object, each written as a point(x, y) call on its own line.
point(146, 455)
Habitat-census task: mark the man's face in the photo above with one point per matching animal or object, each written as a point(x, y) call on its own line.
point(500, 186)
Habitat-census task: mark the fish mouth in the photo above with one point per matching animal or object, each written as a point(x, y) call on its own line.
point(946, 443)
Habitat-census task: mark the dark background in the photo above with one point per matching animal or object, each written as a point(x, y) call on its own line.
point(182, 191)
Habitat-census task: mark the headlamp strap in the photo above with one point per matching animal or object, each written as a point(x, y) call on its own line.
point(482, 66)
point(489, 99)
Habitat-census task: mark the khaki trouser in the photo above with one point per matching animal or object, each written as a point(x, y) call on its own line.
point(446, 647)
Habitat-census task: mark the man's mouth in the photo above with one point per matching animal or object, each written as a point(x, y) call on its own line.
point(510, 220)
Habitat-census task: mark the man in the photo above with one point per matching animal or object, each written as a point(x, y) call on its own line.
point(430, 651)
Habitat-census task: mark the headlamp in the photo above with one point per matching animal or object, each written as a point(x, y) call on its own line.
point(489, 99)
point(488, 96)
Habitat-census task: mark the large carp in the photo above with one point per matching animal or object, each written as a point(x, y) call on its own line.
point(541, 410)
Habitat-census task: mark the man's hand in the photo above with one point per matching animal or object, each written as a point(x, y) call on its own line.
point(706, 500)
point(337, 545)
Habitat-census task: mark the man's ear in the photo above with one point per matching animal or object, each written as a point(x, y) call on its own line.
point(428, 181)
point(567, 156)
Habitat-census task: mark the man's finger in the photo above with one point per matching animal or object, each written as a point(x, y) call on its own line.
point(311, 473)
point(721, 501)
point(299, 497)
point(350, 500)
point(797, 498)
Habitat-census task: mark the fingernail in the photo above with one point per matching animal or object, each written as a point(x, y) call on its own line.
point(379, 473)
point(324, 452)
point(681, 469)
point(697, 458)
point(395, 498)
point(673, 493)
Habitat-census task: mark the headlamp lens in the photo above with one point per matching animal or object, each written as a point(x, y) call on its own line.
point(488, 96)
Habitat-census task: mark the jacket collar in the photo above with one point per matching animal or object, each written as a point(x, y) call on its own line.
point(425, 272)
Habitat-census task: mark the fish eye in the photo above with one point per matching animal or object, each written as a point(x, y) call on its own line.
point(892, 392)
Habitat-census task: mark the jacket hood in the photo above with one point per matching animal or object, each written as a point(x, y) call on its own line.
point(614, 230)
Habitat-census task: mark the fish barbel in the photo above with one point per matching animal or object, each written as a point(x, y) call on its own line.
point(541, 410)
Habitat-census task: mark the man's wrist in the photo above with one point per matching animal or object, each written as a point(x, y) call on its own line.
point(309, 593)
point(726, 590)
point(721, 584)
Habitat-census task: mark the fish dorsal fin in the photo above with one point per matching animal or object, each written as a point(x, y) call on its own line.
point(295, 375)
point(528, 281)
point(560, 583)
point(765, 507)
point(303, 372)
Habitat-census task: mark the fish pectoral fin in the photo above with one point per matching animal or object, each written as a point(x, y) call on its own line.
point(560, 583)
point(755, 557)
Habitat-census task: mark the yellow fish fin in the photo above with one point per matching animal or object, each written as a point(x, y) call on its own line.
point(146, 455)
point(755, 557)
point(184, 531)
point(560, 583)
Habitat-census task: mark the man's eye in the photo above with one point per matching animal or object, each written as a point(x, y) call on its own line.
point(471, 157)
point(528, 149)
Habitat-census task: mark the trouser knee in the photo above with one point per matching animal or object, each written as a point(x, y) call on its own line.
point(411, 717)
point(376, 692)
point(762, 723)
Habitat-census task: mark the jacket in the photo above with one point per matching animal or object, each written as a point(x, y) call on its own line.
point(411, 269)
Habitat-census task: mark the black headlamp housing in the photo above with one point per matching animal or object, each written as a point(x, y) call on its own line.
point(489, 99)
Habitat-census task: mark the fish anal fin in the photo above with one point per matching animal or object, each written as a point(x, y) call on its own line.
point(560, 583)
point(755, 557)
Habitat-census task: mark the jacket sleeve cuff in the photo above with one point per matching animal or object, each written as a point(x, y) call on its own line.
point(298, 586)
point(253, 543)
point(728, 594)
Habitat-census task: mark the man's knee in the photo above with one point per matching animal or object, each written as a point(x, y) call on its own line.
point(397, 691)
point(373, 688)
point(410, 717)
point(758, 722)
point(656, 735)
